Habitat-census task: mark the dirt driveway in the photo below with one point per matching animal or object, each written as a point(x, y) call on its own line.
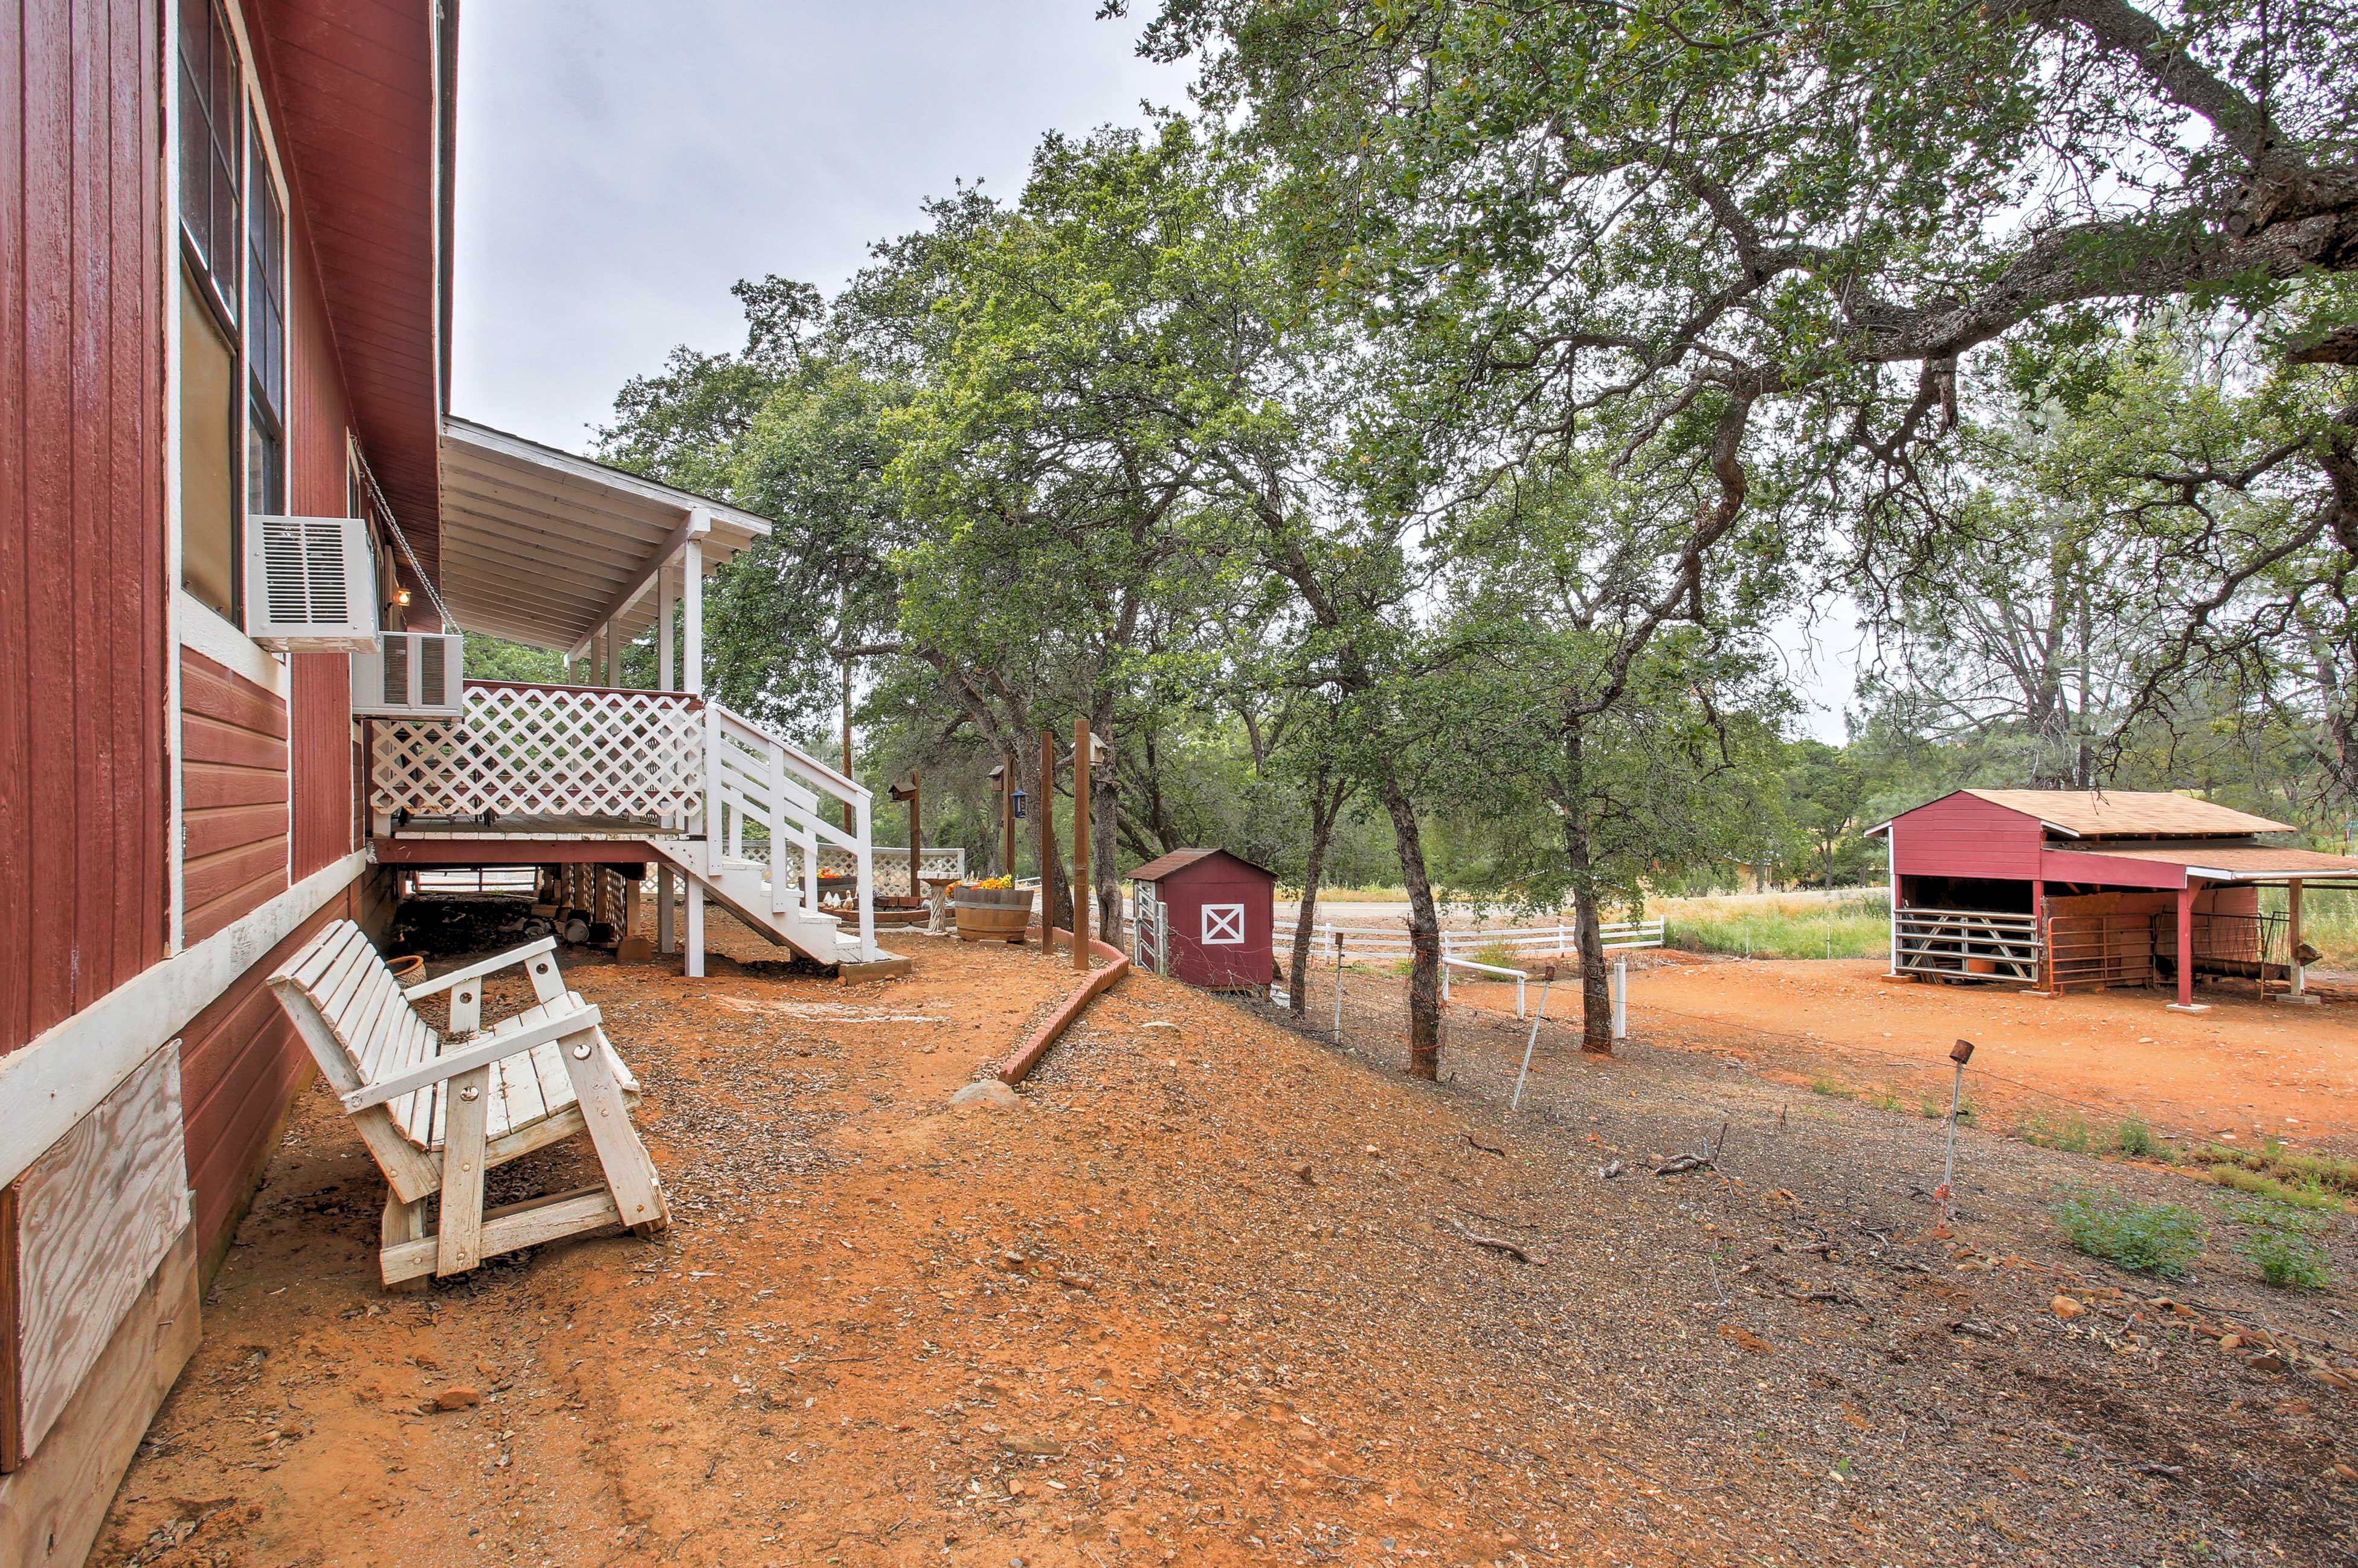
point(1217, 1293)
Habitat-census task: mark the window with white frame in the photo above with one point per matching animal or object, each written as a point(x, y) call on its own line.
point(232, 359)
point(1224, 925)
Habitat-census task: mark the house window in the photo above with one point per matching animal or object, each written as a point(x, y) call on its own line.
point(210, 250)
point(1224, 925)
point(266, 336)
point(208, 131)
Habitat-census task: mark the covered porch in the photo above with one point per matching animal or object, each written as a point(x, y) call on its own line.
point(560, 553)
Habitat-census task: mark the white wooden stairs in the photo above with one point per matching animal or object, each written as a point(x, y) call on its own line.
point(768, 806)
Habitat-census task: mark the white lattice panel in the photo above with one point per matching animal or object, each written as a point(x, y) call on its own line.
point(545, 751)
point(893, 865)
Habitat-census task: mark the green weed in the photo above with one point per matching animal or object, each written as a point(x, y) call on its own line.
point(2067, 1131)
point(2307, 1195)
point(2160, 1238)
point(2282, 1241)
point(2136, 1141)
point(1832, 1088)
point(1499, 955)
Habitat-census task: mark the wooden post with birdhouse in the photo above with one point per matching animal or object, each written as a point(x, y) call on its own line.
point(912, 790)
point(1003, 779)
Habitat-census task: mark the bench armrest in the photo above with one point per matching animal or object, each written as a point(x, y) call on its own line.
point(481, 1052)
point(512, 958)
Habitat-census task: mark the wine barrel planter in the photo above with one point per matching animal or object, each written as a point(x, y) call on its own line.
point(991, 915)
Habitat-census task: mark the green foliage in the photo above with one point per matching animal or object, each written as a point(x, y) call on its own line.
point(2283, 1240)
point(2067, 1131)
point(2160, 1238)
point(1773, 926)
point(2285, 1193)
point(496, 658)
point(2136, 1139)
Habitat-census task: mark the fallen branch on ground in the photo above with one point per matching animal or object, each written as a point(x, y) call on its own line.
point(1496, 1244)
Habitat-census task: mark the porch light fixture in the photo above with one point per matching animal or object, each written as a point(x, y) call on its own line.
point(401, 597)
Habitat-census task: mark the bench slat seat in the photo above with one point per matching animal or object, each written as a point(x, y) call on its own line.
point(404, 1083)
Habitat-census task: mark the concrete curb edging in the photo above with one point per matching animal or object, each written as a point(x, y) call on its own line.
point(1027, 1055)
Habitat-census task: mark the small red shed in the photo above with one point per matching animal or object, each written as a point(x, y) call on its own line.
point(1207, 917)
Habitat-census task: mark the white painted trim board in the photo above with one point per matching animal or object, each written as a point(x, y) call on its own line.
point(69, 1070)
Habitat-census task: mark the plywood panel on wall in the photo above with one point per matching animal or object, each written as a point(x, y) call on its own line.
point(83, 595)
point(90, 1219)
point(233, 809)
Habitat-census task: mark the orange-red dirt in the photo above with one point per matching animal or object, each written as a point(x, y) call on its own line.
point(2245, 1070)
point(1215, 1293)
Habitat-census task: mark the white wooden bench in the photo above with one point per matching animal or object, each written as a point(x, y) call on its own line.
point(439, 1110)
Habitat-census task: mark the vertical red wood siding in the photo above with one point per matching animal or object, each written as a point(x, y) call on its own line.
point(321, 711)
point(84, 797)
point(1220, 878)
point(232, 795)
point(240, 1064)
point(1965, 836)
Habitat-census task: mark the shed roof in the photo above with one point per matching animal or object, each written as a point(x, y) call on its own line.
point(543, 548)
point(2226, 862)
point(2093, 813)
point(1155, 870)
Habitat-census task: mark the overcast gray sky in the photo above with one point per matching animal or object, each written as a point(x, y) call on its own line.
point(621, 163)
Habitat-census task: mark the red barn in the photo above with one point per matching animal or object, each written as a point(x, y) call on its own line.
point(1207, 917)
point(2076, 889)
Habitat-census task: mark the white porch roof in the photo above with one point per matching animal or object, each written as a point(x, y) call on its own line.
point(544, 548)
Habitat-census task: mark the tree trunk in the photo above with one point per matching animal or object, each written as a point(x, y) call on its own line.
point(1105, 805)
point(1055, 882)
point(1322, 830)
point(1595, 998)
point(1424, 935)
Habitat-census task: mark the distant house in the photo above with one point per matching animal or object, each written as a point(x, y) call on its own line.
point(1207, 917)
point(234, 508)
point(2070, 889)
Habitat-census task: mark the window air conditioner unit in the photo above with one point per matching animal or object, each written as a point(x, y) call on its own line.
point(410, 674)
point(310, 584)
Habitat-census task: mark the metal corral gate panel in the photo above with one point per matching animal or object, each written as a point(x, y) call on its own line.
point(1974, 944)
point(2089, 952)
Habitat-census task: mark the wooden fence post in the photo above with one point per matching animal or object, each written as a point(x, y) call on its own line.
point(1080, 843)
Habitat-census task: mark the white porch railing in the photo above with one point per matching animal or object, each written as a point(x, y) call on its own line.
point(763, 789)
point(544, 750)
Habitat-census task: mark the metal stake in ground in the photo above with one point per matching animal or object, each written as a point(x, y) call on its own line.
point(1961, 1053)
point(1547, 978)
point(1338, 987)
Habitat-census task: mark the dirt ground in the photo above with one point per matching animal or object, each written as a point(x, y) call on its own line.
point(1220, 1293)
point(2246, 1070)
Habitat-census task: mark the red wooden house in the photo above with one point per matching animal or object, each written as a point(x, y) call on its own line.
point(234, 509)
point(1207, 917)
point(2066, 889)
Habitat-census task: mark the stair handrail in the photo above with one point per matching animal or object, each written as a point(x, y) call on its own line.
point(790, 765)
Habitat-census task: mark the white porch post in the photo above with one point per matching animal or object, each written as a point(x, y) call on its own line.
point(666, 613)
point(691, 587)
point(691, 680)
